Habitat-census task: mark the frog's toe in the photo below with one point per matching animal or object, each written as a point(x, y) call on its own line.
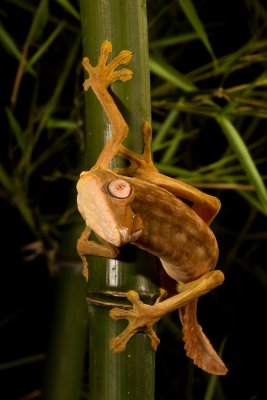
point(121, 75)
point(105, 73)
point(140, 317)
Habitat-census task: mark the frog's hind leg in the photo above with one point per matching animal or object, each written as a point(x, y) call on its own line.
point(142, 317)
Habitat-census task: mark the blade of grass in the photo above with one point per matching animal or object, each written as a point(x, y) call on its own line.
point(174, 40)
point(31, 8)
point(22, 361)
point(51, 104)
point(39, 21)
point(245, 159)
point(63, 124)
point(69, 7)
point(165, 128)
point(5, 180)
point(192, 15)
point(37, 25)
point(9, 44)
point(26, 213)
point(173, 148)
point(46, 44)
point(253, 201)
point(161, 68)
point(154, 20)
point(16, 130)
point(13, 190)
point(59, 142)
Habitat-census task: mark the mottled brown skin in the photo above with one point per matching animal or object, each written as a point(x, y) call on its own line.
point(139, 205)
point(186, 246)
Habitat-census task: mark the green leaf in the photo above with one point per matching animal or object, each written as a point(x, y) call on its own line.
point(19, 200)
point(15, 128)
point(26, 211)
point(8, 43)
point(165, 128)
point(173, 147)
point(46, 44)
point(22, 361)
point(69, 7)
point(39, 21)
point(162, 69)
point(5, 180)
point(192, 16)
point(174, 40)
point(245, 159)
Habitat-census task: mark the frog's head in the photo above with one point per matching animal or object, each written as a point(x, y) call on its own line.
point(104, 200)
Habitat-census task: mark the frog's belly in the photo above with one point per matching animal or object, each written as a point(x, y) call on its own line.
point(174, 233)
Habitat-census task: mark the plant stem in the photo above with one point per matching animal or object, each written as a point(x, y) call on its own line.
point(128, 375)
point(65, 358)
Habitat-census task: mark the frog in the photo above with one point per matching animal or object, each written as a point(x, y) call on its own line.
point(164, 216)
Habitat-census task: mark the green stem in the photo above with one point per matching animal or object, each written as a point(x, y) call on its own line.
point(65, 356)
point(128, 375)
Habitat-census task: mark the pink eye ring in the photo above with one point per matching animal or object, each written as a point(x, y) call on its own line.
point(119, 189)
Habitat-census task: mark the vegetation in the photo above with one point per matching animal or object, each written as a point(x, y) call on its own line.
point(208, 91)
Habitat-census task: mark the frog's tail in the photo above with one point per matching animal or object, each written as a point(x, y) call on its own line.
point(197, 345)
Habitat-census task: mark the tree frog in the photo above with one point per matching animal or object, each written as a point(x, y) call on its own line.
point(139, 205)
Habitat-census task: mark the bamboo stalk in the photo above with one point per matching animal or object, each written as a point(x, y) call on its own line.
point(129, 374)
point(65, 356)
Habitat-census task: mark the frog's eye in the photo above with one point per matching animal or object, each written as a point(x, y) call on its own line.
point(119, 189)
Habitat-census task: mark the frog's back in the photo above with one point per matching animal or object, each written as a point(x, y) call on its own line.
point(173, 232)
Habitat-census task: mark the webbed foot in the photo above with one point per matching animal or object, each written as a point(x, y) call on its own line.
point(140, 164)
point(141, 318)
point(106, 73)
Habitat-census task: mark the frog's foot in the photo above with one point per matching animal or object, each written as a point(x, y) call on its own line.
point(105, 73)
point(139, 164)
point(141, 318)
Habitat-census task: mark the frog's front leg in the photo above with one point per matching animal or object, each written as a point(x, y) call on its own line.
point(100, 78)
point(87, 247)
point(140, 164)
point(142, 167)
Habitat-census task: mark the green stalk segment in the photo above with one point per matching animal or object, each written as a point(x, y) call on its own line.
point(130, 374)
point(65, 356)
